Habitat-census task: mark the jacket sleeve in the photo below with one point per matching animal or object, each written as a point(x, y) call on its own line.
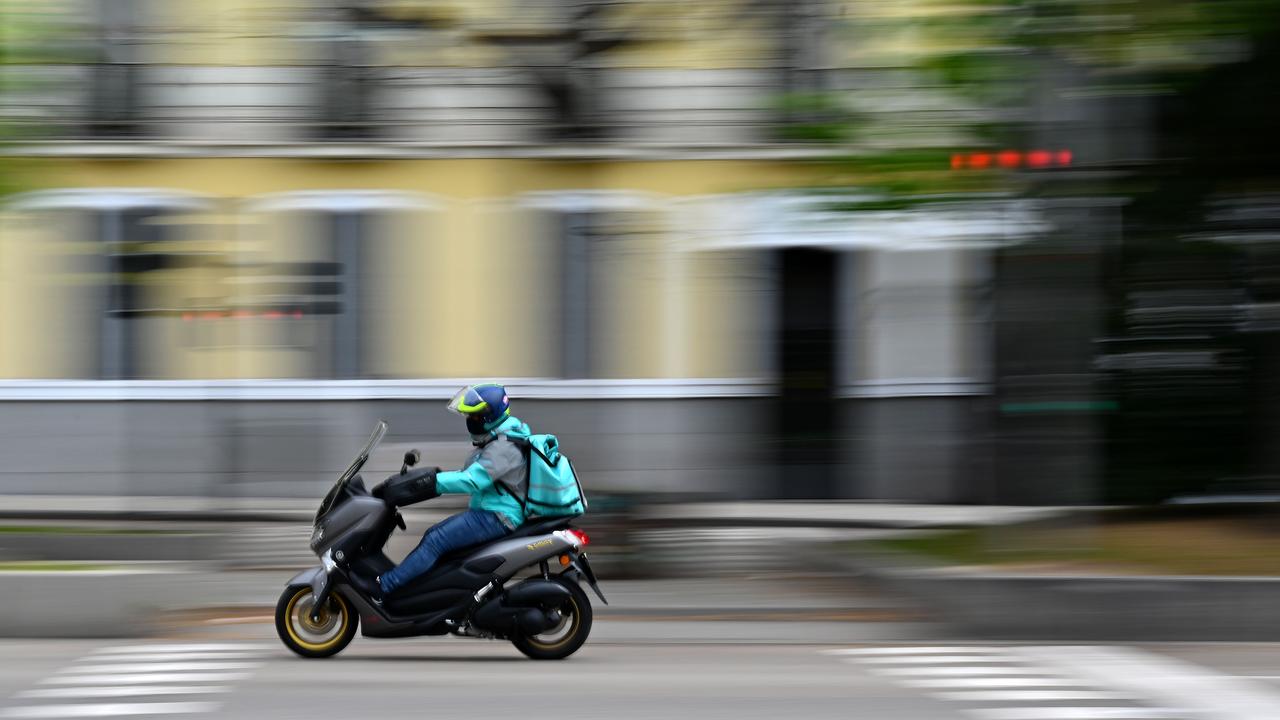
point(493, 464)
point(468, 481)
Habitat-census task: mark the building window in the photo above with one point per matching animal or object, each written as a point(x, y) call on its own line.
point(602, 290)
point(339, 268)
point(114, 106)
point(114, 271)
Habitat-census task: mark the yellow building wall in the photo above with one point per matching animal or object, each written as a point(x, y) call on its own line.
point(442, 301)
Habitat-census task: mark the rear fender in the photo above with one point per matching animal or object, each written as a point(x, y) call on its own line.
point(582, 568)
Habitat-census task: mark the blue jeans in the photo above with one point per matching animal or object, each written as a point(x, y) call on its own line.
point(458, 531)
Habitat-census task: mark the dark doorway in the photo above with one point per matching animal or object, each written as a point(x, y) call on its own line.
point(806, 422)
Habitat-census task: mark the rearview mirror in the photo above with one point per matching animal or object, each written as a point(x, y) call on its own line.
point(412, 457)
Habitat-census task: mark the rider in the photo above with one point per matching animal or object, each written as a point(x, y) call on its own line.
point(496, 474)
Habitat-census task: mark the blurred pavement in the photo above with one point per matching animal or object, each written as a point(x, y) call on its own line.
point(243, 672)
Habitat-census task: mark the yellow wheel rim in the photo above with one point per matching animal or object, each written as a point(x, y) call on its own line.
point(574, 618)
point(316, 636)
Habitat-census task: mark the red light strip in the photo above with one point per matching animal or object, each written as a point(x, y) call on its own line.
point(1010, 159)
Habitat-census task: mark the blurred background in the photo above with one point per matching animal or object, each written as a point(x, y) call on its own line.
point(906, 255)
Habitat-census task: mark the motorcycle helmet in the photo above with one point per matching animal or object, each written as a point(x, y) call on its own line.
point(484, 406)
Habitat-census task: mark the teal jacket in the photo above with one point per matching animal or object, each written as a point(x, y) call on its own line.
point(495, 476)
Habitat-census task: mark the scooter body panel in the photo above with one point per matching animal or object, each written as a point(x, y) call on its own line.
point(349, 525)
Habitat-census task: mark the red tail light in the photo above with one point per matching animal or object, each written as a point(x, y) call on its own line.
point(583, 540)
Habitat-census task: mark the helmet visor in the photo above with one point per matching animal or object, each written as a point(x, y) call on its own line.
point(468, 402)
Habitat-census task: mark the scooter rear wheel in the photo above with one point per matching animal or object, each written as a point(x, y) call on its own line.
point(310, 639)
point(566, 637)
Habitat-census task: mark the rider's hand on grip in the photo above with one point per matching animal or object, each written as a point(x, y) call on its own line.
point(415, 486)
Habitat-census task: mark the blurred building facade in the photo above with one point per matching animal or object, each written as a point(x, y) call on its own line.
point(254, 227)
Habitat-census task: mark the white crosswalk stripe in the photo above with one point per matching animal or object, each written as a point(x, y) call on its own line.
point(1020, 695)
point(121, 691)
point(954, 671)
point(144, 678)
point(109, 710)
point(148, 676)
point(931, 651)
point(1076, 713)
point(989, 683)
point(1202, 692)
point(210, 655)
point(159, 667)
point(1004, 682)
point(188, 649)
point(935, 660)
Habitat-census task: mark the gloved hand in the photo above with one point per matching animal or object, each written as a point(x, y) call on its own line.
point(415, 486)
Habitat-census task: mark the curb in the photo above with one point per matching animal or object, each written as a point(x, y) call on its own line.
point(1007, 606)
point(112, 602)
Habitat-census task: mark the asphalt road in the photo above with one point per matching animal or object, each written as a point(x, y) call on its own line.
point(239, 670)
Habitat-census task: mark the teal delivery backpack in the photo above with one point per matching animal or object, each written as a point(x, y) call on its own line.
point(554, 489)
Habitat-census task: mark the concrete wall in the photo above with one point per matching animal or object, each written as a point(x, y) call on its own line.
point(908, 449)
point(926, 449)
point(296, 449)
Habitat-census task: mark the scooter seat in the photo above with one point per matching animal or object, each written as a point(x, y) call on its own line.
point(434, 588)
point(450, 560)
point(539, 527)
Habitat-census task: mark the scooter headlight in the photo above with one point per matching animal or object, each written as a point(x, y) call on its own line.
point(317, 535)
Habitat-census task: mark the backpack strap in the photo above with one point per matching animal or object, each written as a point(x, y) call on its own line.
point(523, 443)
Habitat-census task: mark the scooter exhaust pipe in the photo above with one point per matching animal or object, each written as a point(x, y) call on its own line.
point(529, 607)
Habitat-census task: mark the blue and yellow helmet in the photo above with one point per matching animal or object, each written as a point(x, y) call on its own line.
point(485, 405)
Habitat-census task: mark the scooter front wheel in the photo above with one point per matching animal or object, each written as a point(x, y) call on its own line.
point(310, 638)
point(568, 635)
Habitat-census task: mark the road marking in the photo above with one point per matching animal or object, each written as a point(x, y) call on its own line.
point(160, 667)
point(109, 710)
point(936, 659)
point(139, 672)
point(989, 683)
point(124, 691)
point(144, 678)
point(953, 671)
point(1012, 685)
point(913, 650)
point(1174, 683)
point(1074, 713)
point(1032, 695)
point(206, 647)
point(158, 656)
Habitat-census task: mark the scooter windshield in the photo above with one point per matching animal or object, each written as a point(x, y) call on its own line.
point(376, 437)
point(379, 430)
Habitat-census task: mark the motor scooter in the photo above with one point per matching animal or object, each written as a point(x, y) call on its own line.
point(524, 588)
